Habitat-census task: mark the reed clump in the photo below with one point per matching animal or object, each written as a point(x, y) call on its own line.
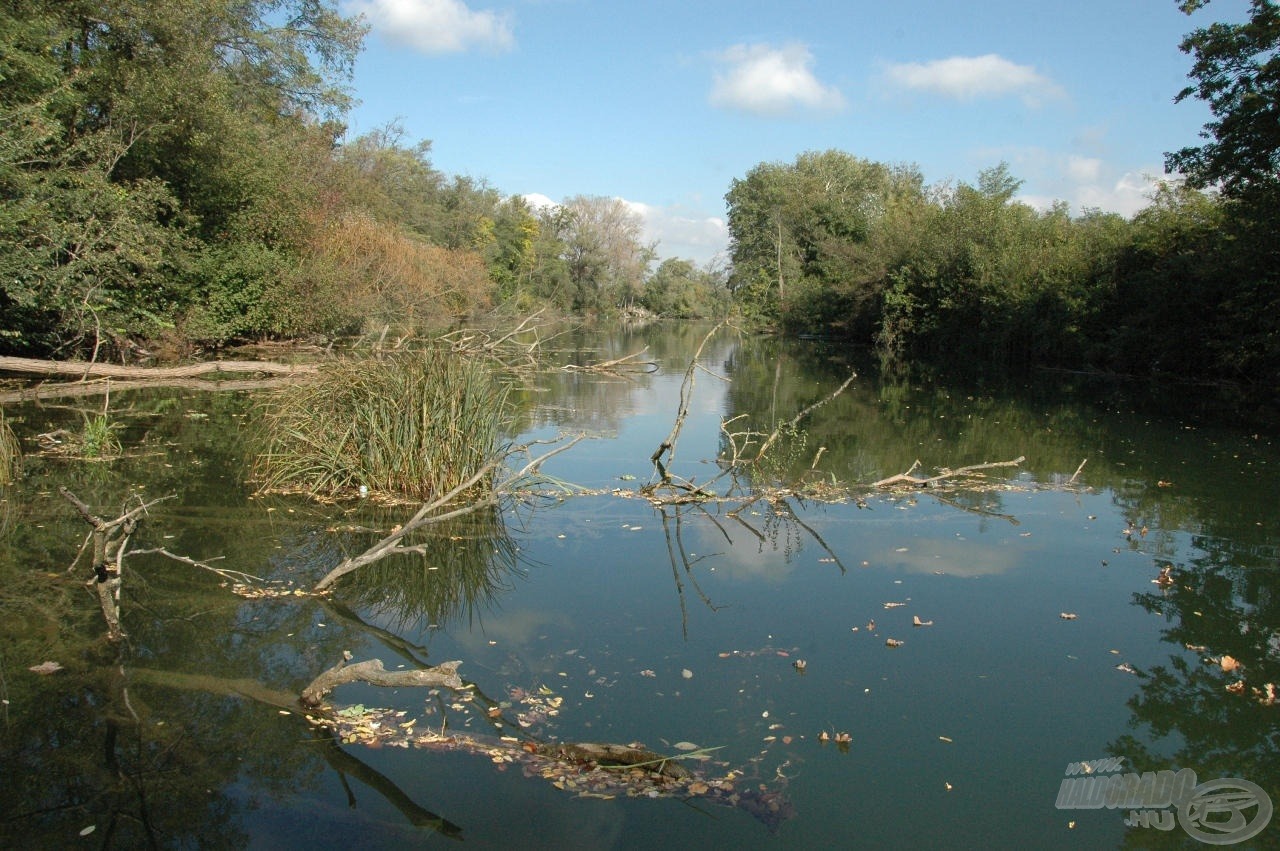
point(413, 425)
point(10, 452)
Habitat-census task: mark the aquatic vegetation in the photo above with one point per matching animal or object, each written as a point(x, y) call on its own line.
point(98, 438)
point(411, 426)
point(10, 452)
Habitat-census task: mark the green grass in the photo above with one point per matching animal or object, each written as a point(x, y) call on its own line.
point(98, 438)
point(413, 425)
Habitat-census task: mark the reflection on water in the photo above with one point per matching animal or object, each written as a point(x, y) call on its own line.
point(663, 624)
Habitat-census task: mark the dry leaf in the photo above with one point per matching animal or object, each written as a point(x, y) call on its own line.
point(46, 668)
point(1237, 687)
point(1228, 663)
point(1068, 616)
point(915, 621)
point(892, 642)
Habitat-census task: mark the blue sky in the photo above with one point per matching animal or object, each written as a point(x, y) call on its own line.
point(664, 103)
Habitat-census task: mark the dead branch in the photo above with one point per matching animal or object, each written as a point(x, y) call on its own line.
point(428, 515)
point(75, 389)
point(110, 542)
point(225, 573)
point(795, 421)
point(668, 446)
point(81, 369)
point(617, 366)
point(916, 482)
point(371, 671)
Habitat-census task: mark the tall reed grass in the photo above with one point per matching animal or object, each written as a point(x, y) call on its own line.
point(10, 452)
point(414, 425)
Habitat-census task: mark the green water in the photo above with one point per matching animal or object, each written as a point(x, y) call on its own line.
point(662, 625)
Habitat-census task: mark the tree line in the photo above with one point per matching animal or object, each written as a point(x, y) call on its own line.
point(964, 273)
point(181, 170)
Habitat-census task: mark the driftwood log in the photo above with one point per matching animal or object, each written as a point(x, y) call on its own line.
point(84, 369)
point(371, 671)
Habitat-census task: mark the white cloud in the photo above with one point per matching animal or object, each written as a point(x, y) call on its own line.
point(681, 232)
point(678, 230)
point(768, 80)
point(538, 201)
point(436, 26)
point(1084, 169)
point(1086, 183)
point(1126, 195)
point(969, 77)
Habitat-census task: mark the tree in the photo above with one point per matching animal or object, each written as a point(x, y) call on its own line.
point(607, 260)
point(1237, 72)
point(813, 229)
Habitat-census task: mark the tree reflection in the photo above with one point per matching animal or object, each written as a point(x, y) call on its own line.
point(1218, 616)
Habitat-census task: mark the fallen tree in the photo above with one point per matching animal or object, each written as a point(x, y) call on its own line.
point(87, 369)
point(588, 769)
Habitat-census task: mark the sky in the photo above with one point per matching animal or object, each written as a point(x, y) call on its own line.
point(664, 103)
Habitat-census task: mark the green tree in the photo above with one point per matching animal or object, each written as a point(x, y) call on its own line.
point(1237, 73)
point(679, 289)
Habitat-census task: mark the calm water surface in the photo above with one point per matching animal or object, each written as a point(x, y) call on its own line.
point(663, 626)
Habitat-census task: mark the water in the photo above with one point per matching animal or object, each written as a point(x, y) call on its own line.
point(662, 625)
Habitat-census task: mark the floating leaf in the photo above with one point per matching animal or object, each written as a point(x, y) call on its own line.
point(88, 830)
point(1228, 663)
point(893, 642)
point(685, 746)
point(893, 605)
point(687, 674)
point(915, 621)
point(44, 669)
point(1068, 616)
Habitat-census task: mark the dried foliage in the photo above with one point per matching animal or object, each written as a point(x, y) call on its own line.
point(390, 275)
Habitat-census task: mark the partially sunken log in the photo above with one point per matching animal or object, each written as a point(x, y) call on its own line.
point(372, 672)
point(83, 369)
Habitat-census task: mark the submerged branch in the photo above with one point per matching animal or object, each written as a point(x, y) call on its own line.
point(371, 671)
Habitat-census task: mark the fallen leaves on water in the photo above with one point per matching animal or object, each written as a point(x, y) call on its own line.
point(44, 669)
point(1068, 616)
point(1237, 687)
point(1228, 663)
point(915, 621)
point(894, 605)
point(1126, 668)
point(647, 673)
point(893, 642)
point(687, 674)
point(685, 746)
